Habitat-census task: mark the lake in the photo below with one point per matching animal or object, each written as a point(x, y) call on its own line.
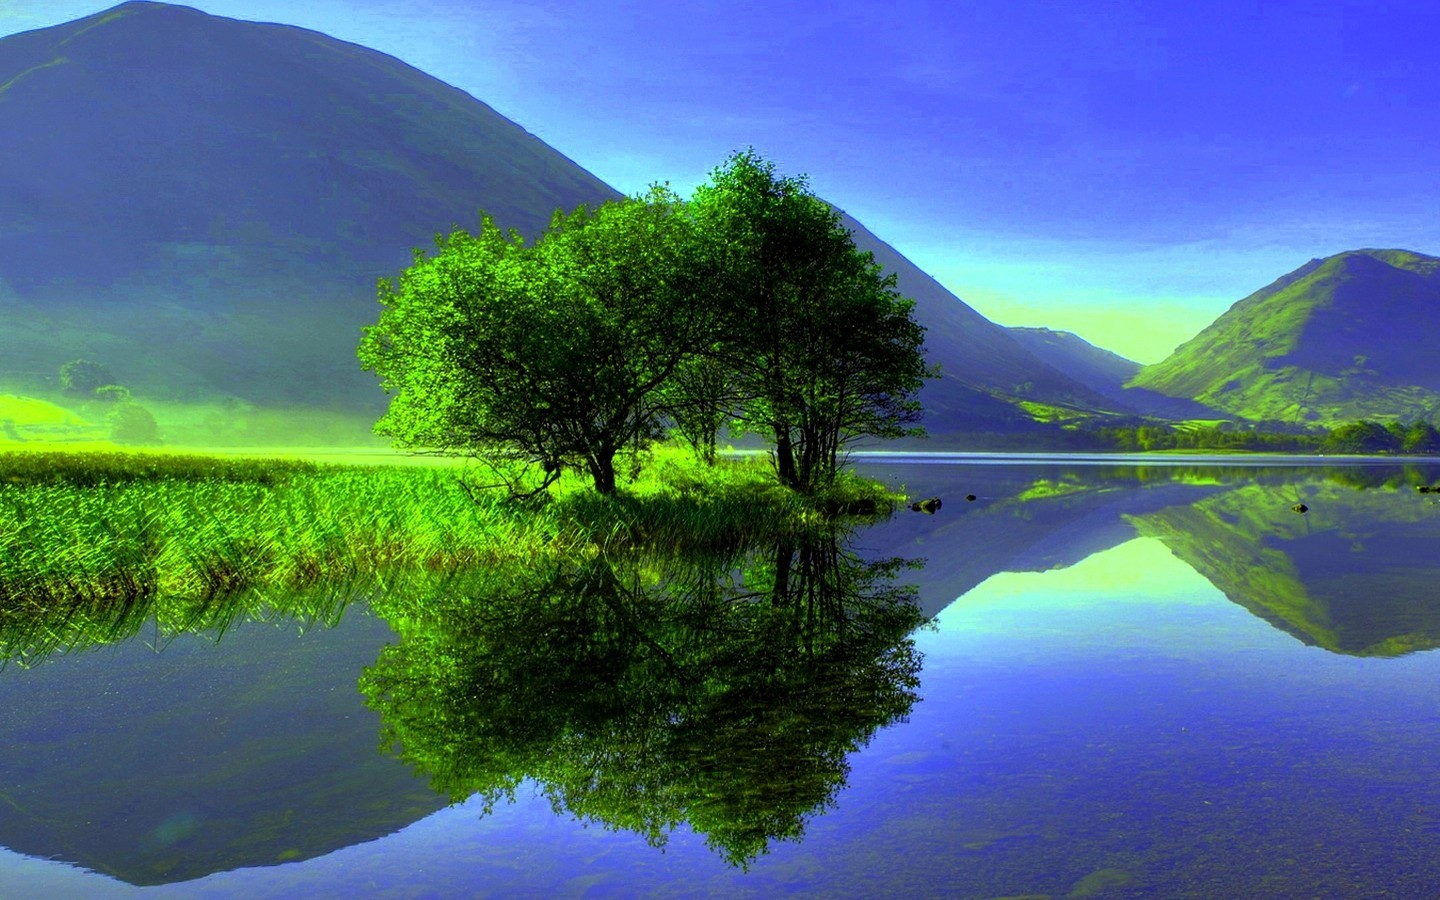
point(1096, 679)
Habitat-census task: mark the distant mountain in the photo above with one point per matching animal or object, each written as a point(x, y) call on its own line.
point(1340, 338)
point(1105, 373)
point(1096, 368)
point(983, 366)
point(204, 205)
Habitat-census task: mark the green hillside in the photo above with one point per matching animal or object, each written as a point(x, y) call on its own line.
point(1341, 338)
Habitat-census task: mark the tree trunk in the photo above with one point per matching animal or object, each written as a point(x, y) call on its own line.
point(785, 458)
point(602, 469)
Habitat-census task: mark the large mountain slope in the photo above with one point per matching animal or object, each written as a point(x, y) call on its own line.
point(207, 202)
point(1339, 338)
point(204, 205)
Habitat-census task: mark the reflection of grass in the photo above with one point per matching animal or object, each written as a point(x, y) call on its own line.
point(100, 529)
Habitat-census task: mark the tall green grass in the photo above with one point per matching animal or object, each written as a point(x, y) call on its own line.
point(86, 537)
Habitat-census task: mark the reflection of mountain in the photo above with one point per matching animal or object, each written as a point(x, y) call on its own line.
point(1355, 575)
point(1024, 518)
point(206, 756)
point(643, 694)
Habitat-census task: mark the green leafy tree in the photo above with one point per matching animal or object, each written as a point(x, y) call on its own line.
point(1361, 437)
point(113, 393)
point(556, 351)
point(819, 345)
point(1421, 437)
point(82, 377)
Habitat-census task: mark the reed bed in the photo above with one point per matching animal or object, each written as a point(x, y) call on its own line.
point(85, 531)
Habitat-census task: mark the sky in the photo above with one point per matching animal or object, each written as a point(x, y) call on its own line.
point(1122, 169)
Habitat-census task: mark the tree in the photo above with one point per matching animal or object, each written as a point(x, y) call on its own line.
point(82, 376)
point(112, 393)
point(557, 351)
point(1421, 437)
point(645, 692)
point(821, 347)
point(1361, 437)
point(131, 423)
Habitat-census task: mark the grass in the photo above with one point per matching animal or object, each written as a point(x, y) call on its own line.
point(85, 537)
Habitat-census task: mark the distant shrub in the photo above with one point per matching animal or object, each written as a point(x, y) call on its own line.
point(1421, 437)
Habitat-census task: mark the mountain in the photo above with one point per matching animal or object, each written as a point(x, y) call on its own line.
point(983, 366)
point(1105, 373)
point(204, 205)
point(1340, 338)
point(1098, 369)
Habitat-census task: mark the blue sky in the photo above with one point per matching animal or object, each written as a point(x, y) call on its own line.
point(1124, 170)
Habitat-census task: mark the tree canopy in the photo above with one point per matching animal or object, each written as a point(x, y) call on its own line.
point(748, 305)
point(554, 350)
point(822, 347)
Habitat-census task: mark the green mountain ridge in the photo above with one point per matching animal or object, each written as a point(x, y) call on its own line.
point(1340, 338)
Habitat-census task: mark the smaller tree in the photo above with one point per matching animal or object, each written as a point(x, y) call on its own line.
point(131, 423)
point(820, 345)
point(81, 377)
point(1421, 437)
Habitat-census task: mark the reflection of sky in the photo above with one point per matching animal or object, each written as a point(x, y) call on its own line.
point(1116, 575)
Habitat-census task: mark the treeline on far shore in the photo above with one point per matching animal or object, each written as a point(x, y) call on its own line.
point(1418, 438)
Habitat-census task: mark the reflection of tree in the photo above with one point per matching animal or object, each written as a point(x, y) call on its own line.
point(644, 693)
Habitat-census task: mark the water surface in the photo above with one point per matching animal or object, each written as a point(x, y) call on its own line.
point(1106, 680)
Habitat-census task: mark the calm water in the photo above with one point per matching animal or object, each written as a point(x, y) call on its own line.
point(1105, 681)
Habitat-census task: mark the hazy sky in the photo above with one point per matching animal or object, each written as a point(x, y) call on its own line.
point(1124, 170)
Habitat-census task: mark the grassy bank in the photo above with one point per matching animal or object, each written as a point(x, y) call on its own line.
point(104, 528)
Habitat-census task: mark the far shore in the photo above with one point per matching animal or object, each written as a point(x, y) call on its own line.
point(366, 456)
